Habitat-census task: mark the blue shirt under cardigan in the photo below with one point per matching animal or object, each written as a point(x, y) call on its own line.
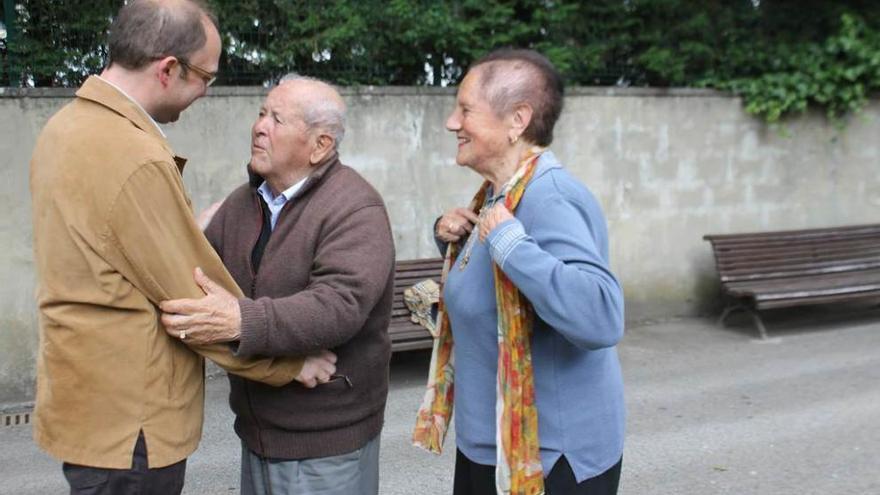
point(556, 252)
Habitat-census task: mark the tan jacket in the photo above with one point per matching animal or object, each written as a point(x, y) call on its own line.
point(113, 236)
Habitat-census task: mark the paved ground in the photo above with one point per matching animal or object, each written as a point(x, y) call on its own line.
point(711, 411)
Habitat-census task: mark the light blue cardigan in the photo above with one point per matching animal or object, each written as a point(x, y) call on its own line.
point(556, 252)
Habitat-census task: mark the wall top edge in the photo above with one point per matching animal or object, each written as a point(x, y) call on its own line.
point(16, 407)
point(227, 91)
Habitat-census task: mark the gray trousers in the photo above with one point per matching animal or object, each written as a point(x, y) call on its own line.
point(353, 473)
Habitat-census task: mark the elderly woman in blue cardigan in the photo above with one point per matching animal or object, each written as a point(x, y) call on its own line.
point(528, 299)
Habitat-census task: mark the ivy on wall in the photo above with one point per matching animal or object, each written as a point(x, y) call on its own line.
point(837, 74)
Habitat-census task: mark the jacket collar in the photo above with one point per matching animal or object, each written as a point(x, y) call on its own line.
point(329, 165)
point(101, 92)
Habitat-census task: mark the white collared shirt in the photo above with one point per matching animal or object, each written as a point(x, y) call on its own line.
point(137, 104)
point(276, 203)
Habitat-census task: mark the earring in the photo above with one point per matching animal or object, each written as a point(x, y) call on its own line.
point(514, 139)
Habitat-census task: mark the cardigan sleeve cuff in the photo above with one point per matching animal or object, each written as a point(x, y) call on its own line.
point(504, 239)
point(253, 339)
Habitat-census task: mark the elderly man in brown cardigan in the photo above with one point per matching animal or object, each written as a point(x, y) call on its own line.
point(308, 241)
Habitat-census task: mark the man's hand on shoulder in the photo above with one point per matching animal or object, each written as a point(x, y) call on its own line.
point(204, 218)
point(213, 318)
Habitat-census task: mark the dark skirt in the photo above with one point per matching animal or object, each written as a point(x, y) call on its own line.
point(479, 479)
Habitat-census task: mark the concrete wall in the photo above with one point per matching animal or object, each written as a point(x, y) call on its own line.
point(667, 166)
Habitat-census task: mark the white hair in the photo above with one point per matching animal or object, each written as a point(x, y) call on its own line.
point(324, 113)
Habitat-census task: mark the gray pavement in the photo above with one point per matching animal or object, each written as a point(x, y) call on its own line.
point(711, 411)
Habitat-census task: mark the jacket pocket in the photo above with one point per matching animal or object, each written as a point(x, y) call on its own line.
point(337, 381)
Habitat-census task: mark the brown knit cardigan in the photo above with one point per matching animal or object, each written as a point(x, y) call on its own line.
point(325, 282)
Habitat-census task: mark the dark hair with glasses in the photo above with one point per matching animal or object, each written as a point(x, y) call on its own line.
point(145, 30)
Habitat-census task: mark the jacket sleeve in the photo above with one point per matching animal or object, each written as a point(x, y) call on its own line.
point(152, 233)
point(558, 266)
point(352, 265)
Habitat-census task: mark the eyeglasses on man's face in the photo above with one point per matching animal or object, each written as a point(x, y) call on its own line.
point(207, 76)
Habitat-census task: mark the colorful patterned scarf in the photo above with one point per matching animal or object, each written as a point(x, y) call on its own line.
point(518, 470)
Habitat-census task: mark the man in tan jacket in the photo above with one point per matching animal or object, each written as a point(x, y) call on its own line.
point(118, 400)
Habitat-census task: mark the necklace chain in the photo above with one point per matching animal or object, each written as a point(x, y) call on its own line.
point(475, 233)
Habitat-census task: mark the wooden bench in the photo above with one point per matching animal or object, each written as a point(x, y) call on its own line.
point(406, 335)
point(796, 267)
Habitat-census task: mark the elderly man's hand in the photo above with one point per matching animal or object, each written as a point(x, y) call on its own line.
point(497, 215)
point(317, 369)
point(456, 223)
point(204, 218)
point(213, 318)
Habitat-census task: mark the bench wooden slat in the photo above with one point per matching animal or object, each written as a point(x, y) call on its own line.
point(813, 299)
point(793, 257)
point(800, 265)
point(796, 241)
point(849, 231)
point(817, 282)
point(802, 270)
point(751, 251)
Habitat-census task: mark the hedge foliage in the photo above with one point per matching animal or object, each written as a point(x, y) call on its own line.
point(782, 56)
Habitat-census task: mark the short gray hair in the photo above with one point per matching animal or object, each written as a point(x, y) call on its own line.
point(144, 30)
point(321, 114)
point(511, 76)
